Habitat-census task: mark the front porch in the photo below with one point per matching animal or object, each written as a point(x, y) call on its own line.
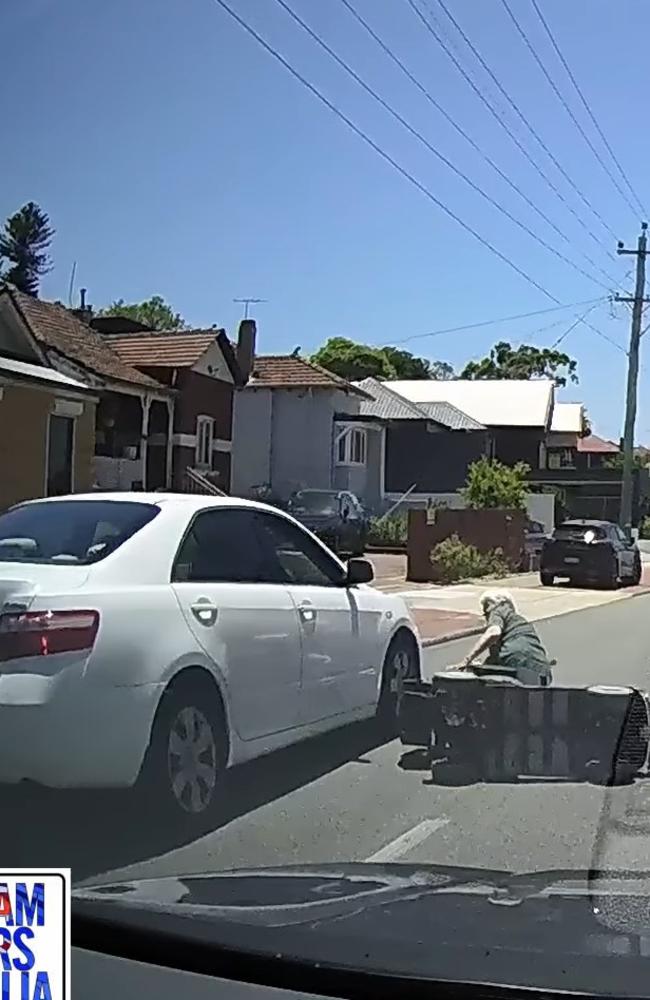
point(134, 441)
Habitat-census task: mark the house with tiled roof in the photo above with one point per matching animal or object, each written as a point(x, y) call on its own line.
point(202, 368)
point(286, 424)
point(56, 378)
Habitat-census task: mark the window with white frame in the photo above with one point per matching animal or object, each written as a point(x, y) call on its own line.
point(351, 447)
point(204, 439)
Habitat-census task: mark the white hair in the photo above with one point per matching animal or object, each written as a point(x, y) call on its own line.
point(492, 598)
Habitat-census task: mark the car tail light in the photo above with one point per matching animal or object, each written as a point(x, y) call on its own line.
point(43, 633)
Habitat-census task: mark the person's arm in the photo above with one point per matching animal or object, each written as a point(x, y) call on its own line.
point(491, 635)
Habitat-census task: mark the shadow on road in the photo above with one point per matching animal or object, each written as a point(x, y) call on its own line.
point(93, 832)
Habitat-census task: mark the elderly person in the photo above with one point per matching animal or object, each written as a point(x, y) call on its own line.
point(512, 641)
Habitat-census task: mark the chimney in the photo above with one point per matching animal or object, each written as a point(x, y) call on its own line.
point(246, 347)
point(84, 312)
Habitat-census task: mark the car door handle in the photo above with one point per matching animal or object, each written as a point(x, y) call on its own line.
point(307, 612)
point(205, 611)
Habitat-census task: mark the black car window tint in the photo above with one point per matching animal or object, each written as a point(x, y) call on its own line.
point(294, 557)
point(220, 547)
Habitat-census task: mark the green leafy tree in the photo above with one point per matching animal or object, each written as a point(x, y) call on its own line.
point(153, 312)
point(490, 483)
point(525, 362)
point(616, 461)
point(24, 244)
point(355, 361)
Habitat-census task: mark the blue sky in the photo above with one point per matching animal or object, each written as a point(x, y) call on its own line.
point(176, 157)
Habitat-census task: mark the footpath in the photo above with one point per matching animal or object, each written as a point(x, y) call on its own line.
point(443, 613)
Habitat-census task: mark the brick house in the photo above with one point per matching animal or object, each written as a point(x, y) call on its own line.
point(202, 368)
point(55, 376)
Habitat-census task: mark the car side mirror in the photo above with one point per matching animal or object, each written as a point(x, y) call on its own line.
point(359, 571)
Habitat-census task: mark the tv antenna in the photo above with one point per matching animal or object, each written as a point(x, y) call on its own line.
point(248, 302)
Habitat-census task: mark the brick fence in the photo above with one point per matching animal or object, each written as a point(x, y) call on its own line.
point(484, 529)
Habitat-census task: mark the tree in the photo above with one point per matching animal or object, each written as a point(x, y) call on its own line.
point(358, 361)
point(525, 362)
point(24, 243)
point(490, 483)
point(153, 312)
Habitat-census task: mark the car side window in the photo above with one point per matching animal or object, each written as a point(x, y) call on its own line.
point(220, 547)
point(293, 557)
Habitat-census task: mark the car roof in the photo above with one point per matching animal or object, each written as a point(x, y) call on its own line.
point(582, 522)
point(191, 501)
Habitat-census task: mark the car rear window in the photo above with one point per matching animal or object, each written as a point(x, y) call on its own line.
point(577, 532)
point(70, 532)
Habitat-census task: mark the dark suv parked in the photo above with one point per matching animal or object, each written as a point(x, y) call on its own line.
point(590, 552)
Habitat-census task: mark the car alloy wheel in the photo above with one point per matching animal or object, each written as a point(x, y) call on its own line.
point(400, 663)
point(192, 760)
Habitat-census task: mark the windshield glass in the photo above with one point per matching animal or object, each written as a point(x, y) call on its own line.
point(76, 532)
point(325, 476)
point(315, 502)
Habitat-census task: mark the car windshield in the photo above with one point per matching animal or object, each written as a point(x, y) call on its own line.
point(315, 502)
point(76, 532)
point(325, 483)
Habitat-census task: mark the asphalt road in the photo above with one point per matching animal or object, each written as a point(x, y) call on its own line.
point(348, 797)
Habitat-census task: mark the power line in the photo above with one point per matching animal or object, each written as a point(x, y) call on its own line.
point(378, 149)
point(490, 322)
point(522, 117)
point(386, 156)
point(587, 107)
point(436, 104)
point(549, 79)
point(432, 149)
point(576, 322)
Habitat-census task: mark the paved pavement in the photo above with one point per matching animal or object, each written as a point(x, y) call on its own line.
point(349, 797)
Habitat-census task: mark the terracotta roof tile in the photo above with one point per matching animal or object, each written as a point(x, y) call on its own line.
point(283, 371)
point(174, 349)
point(596, 445)
point(53, 326)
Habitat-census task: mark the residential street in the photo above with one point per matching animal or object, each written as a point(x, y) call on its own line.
point(343, 797)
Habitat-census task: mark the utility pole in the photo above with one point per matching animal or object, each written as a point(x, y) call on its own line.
point(248, 302)
point(637, 301)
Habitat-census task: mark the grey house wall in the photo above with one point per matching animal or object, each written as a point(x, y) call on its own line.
point(251, 440)
point(285, 437)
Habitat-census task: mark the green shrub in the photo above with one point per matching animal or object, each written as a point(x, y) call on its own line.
point(389, 530)
point(490, 483)
point(455, 561)
point(644, 528)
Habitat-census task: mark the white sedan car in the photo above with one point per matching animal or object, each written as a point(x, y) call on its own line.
point(158, 638)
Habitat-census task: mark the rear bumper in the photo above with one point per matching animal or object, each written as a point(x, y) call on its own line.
point(93, 737)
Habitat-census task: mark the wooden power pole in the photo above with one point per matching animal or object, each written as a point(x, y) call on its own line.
point(638, 300)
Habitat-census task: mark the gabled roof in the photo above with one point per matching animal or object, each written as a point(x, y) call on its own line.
point(493, 402)
point(389, 405)
point(567, 418)
point(54, 327)
point(284, 371)
point(597, 446)
point(167, 348)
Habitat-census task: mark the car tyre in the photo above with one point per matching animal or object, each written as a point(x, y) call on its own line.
point(187, 753)
point(400, 663)
point(612, 580)
point(359, 546)
point(547, 579)
point(637, 571)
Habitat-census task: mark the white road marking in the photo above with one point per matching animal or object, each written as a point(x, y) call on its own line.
point(407, 841)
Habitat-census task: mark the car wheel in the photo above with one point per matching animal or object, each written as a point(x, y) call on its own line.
point(637, 571)
point(401, 663)
point(547, 579)
point(188, 752)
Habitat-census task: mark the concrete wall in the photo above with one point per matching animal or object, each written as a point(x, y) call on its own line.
point(251, 439)
point(24, 415)
point(301, 439)
point(364, 480)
